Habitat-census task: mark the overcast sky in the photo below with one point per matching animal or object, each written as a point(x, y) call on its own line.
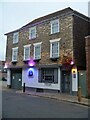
point(14, 15)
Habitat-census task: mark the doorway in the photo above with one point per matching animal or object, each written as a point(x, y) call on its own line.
point(65, 82)
point(16, 79)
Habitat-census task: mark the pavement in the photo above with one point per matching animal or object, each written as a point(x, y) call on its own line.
point(56, 96)
point(60, 97)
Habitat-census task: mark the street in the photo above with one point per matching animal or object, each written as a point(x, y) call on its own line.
point(19, 105)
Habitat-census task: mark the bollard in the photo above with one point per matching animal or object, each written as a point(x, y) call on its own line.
point(79, 94)
point(23, 87)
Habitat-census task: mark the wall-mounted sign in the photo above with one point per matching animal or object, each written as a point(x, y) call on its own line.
point(30, 73)
point(74, 74)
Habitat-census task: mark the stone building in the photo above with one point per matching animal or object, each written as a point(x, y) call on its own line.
point(46, 53)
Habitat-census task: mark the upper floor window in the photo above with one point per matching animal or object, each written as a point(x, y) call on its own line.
point(27, 52)
point(55, 26)
point(15, 37)
point(14, 54)
point(32, 32)
point(37, 51)
point(54, 48)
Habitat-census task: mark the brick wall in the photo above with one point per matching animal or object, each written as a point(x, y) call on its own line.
point(73, 29)
point(80, 30)
point(43, 34)
point(88, 62)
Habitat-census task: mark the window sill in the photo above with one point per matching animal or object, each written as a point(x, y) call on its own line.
point(14, 62)
point(25, 61)
point(47, 82)
point(32, 38)
point(54, 59)
point(37, 60)
point(15, 43)
point(54, 33)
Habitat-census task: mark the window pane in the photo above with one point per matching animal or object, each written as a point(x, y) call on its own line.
point(32, 32)
point(55, 26)
point(55, 49)
point(48, 75)
point(26, 53)
point(15, 37)
point(14, 54)
point(37, 52)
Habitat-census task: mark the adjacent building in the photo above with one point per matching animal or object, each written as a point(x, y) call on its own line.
point(47, 53)
point(88, 63)
point(3, 71)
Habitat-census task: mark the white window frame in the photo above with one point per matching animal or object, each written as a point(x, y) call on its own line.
point(53, 22)
point(15, 37)
point(36, 44)
point(13, 49)
point(30, 30)
point(24, 57)
point(53, 41)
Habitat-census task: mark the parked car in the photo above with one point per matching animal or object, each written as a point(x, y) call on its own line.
point(4, 79)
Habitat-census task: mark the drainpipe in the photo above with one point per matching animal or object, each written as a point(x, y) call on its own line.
point(79, 89)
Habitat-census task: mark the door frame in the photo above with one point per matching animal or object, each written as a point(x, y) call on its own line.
point(16, 71)
point(63, 83)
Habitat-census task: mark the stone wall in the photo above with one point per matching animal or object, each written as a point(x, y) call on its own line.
point(73, 29)
point(43, 34)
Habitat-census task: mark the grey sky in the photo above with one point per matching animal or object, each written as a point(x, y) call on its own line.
point(16, 14)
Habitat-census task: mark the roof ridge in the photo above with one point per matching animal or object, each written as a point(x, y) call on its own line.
point(48, 16)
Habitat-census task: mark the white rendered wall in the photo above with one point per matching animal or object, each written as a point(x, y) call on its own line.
point(8, 77)
point(33, 81)
point(75, 80)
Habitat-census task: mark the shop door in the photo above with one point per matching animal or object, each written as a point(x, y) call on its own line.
point(65, 84)
point(16, 81)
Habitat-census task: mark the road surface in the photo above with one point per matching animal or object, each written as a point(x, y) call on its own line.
point(19, 105)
